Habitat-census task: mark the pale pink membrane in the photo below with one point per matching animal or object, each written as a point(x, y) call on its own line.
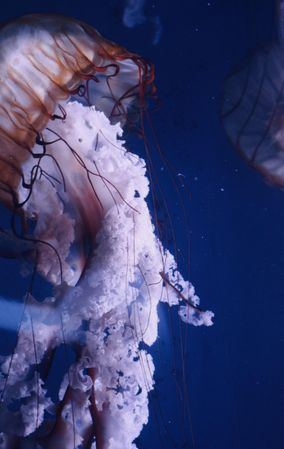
point(117, 295)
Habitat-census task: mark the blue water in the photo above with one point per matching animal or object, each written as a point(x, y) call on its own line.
point(235, 369)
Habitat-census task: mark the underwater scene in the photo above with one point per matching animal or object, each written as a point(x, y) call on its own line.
point(141, 224)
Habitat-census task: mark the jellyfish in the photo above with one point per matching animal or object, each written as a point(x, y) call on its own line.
point(79, 219)
point(253, 108)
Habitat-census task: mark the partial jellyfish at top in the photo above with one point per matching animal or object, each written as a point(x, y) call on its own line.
point(135, 13)
point(252, 109)
point(79, 219)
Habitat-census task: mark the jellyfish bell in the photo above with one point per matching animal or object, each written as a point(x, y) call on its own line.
point(252, 109)
point(46, 59)
point(81, 197)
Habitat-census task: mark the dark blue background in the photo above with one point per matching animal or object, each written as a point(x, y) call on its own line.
point(234, 370)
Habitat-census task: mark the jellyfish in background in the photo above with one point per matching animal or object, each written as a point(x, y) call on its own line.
point(253, 108)
point(77, 202)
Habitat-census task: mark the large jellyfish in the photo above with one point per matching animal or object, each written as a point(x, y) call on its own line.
point(77, 200)
point(253, 108)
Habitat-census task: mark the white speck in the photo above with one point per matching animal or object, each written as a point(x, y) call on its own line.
point(208, 4)
point(222, 189)
point(195, 178)
point(196, 29)
point(162, 168)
